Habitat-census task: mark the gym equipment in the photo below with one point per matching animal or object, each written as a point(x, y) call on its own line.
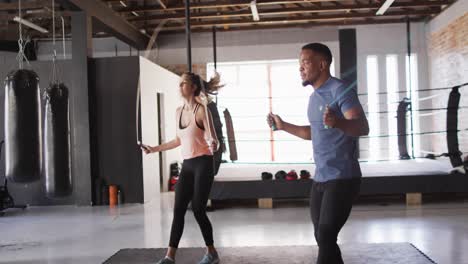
point(291, 176)
point(57, 161)
point(401, 127)
point(56, 171)
point(280, 175)
point(267, 176)
point(113, 193)
point(452, 128)
point(174, 176)
point(304, 174)
point(22, 127)
point(230, 135)
point(22, 120)
point(217, 155)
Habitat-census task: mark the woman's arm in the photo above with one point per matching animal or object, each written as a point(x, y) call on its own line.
point(165, 146)
point(207, 121)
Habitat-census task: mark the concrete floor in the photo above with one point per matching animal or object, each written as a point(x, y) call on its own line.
point(92, 234)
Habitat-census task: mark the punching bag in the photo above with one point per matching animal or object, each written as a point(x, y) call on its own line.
point(218, 155)
point(401, 128)
point(452, 128)
point(22, 127)
point(230, 135)
point(57, 172)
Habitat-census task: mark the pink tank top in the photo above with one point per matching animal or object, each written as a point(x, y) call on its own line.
point(192, 138)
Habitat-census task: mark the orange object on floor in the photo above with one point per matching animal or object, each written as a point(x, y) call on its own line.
point(113, 195)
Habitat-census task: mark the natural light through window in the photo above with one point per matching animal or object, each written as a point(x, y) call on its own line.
point(252, 89)
point(392, 102)
point(412, 74)
point(373, 106)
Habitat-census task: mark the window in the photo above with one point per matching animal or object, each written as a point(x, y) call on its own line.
point(253, 89)
point(382, 104)
point(372, 71)
point(411, 68)
point(392, 102)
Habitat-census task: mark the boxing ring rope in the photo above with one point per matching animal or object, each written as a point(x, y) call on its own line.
point(449, 132)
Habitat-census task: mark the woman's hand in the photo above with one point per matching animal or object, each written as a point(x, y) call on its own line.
point(149, 149)
point(213, 144)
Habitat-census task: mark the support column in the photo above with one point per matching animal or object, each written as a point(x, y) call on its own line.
point(81, 29)
point(348, 60)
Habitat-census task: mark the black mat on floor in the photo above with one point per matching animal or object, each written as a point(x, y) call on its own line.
point(384, 253)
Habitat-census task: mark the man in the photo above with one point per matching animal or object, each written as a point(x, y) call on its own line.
point(336, 120)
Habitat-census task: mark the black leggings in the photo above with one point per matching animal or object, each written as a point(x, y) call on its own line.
point(330, 206)
point(194, 185)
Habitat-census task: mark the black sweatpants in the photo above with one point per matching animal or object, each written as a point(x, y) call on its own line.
point(330, 206)
point(195, 180)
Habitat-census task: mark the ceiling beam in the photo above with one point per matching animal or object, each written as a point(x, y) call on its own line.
point(117, 25)
point(288, 11)
point(308, 25)
point(24, 5)
point(304, 19)
point(211, 5)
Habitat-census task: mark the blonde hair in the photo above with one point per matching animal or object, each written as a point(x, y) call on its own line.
point(211, 87)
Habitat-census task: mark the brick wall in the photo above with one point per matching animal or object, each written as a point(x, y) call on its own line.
point(448, 66)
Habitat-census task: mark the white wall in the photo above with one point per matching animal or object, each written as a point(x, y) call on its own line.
point(102, 47)
point(273, 44)
point(155, 79)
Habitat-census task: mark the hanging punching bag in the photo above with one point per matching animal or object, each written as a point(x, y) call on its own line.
point(22, 126)
point(57, 173)
point(452, 128)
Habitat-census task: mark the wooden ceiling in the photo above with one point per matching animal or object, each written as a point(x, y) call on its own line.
point(146, 15)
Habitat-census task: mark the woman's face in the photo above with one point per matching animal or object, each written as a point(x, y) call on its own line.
point(186, 88)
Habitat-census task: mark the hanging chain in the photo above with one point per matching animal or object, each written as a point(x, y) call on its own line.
point(21, 43)
point(54, 55)
point(63, 36)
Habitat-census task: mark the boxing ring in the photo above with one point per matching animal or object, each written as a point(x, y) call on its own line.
point(415, 176)
point(408, 175)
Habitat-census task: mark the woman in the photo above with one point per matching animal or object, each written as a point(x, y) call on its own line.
point(197, 138)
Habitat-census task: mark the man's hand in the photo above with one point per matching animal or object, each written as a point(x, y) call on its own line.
point(275, 120)
point(329, 118)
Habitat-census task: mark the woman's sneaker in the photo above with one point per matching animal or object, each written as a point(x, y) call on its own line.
point(166, 261)
point(210, 258)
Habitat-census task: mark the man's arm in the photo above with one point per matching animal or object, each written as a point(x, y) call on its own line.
point(303, 132)
point(353, 124)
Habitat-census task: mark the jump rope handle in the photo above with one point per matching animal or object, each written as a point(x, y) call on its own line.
point(273, 124)
point(325, 126)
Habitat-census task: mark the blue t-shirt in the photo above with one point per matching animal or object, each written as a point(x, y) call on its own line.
point(334, 151)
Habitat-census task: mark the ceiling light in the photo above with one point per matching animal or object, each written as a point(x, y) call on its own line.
point(384, 7)
point(253, 8)
point(123, 4)
point(30, 24)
